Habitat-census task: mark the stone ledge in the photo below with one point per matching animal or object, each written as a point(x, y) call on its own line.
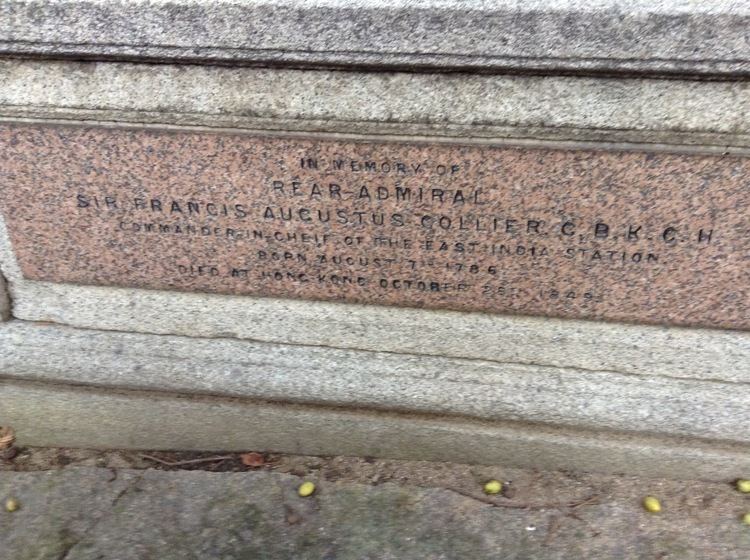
point(689, 353)
point(485, 390)
point(58, 416)
point(437, 105)
point(655, 36)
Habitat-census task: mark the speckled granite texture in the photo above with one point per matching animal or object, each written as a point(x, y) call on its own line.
point(645, 237)
point(675, 36)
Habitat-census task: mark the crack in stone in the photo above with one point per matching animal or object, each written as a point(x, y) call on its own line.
point(479, 361)
point(130, 487)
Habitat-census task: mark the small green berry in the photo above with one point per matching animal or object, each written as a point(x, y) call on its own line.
point(493, 487)
point(746, 519)
point(652, 504)
point(306, 489)
point(11, 505)
point(743, 485)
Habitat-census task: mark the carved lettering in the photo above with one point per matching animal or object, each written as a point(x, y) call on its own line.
point(507, 230)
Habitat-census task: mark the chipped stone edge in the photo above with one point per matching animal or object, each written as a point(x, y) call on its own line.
point(78, 417)
point(4, 299)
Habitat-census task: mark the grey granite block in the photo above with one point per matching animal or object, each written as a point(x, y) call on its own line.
point(468, 106)
point(647, 403)
point(664, 36)
point(75, 417)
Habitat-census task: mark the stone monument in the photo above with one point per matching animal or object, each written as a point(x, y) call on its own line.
point(435, 231)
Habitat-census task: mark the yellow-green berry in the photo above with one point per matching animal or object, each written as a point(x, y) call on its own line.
point(493, 487)
point(746, 519)
point(306, 489)
point(652, 504)
point(743, 485)
point(11, 505)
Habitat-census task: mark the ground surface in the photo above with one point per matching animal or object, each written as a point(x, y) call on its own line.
point(82, 504)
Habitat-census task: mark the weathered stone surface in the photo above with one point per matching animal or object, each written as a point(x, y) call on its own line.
point(84, 514)
point(596, 400)
point(647, 237)
point(55, 415)
point(678, 352)
point(549, 35)
point(706, 113)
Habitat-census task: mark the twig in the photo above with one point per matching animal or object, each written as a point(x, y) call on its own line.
point(573, 515)
point(556, 520)
point(189, 462)
point(591, 500)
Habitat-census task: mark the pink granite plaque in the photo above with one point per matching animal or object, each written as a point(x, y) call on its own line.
point(633, 236)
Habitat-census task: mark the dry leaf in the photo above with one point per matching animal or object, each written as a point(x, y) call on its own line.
point(7, 437)
point(252, 459)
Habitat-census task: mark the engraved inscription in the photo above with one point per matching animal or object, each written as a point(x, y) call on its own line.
point(649, 237)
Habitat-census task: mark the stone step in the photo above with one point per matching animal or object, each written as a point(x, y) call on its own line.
point(647, 403)
point(129, 514)
point(60, 415)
